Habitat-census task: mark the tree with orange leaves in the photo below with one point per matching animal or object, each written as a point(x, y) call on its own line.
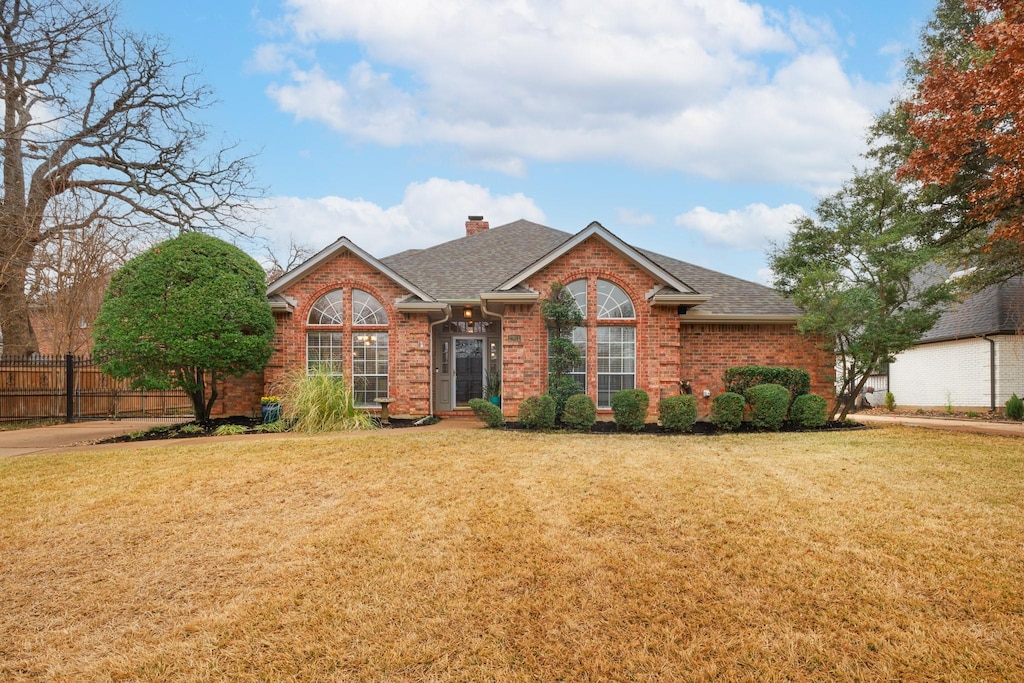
point(968, 121)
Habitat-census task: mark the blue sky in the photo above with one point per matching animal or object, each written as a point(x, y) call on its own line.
point(697, 128)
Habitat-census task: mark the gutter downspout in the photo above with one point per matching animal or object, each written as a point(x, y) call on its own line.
point(483, 309)
point(991, 370)
point(430, 365)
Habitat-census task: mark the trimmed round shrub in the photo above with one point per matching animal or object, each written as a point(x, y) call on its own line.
point(487, 412)
point(1015, 408)
point(740, 379)
point(678, 413)
point(727, 411)
point(630, 409)
point(537, 412)
point(808, 411)
point(769, 404)
point(580, 412)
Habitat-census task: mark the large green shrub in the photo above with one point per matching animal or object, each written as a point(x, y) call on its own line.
point(186, 313)
point(809, 411)
point(739, 379)
point(580, 412)
point(537, 412)
point(489, 413)
point(769, 404)
point(320, 402)
point(629, 407)
point(1015, 408)
point(727, 410)
point(678, 413)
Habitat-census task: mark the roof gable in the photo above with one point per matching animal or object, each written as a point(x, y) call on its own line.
point(597, 230)
point(342, 244)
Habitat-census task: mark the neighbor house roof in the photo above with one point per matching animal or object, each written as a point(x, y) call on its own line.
point(998, 309)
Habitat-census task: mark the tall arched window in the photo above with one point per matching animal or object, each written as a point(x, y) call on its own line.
point(367, 328)
point(616, 344)
point(324, 348)
point(369, 349)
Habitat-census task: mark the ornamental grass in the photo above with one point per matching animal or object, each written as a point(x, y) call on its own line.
point(890, 554)
point(318, 402)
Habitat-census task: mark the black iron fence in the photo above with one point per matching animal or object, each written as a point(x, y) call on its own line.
point(74, 388)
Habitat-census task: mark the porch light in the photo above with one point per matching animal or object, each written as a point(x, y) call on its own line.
point(467, 313)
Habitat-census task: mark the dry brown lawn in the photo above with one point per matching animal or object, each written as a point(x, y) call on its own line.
point(893, 554)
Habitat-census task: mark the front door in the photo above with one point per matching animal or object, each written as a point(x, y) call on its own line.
point(469, 370)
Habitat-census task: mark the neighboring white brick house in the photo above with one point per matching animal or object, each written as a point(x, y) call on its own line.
point(972, 359)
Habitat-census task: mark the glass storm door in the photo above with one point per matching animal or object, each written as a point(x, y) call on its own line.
point(469, 370)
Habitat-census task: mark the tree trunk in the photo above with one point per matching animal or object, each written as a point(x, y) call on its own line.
point(198, 396)
point(853, 394)
point(18, 337)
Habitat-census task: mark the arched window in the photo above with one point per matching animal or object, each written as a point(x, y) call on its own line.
point(366, 310)
point(578, 289)
point(328, 310)
point(613, 302)
point(616, 344)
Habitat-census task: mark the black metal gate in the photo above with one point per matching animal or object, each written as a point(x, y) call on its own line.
point(74, 388)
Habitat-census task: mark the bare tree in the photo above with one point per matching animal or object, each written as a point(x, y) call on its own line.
point(276, 264)
point(105, 116)
point(67, 278)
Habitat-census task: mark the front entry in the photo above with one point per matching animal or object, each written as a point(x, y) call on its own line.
point(469, 370)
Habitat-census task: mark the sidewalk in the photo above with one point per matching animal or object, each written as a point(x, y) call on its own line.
point(975, 426)
point(55, 437)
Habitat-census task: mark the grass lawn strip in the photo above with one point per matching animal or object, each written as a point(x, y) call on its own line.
point(465, 555)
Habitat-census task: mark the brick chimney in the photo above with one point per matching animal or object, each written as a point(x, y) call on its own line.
point(476, 224)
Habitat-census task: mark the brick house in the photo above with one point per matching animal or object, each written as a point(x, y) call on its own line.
point(428, 327)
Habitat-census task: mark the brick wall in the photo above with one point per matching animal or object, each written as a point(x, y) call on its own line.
point(238, 396)
point(706, 350)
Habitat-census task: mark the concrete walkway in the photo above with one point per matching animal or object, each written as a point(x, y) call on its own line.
point(975, 426)
point(58, 437)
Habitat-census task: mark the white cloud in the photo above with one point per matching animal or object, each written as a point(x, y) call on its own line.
point(751, 228)
point(634, 218)
point(430, 212)
point(765, 276)
point(679, 85)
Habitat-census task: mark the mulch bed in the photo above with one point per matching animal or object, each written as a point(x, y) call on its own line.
point(607, 427)
point(191, 430)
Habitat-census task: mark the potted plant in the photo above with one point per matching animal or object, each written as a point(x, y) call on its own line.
point(270, 408)
point(493, 389)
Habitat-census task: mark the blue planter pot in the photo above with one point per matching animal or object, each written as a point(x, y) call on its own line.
point(496, 400)
point(271, 412)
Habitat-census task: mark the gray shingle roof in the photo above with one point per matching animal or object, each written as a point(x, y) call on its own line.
point(464, 268)
point(729, 295)
point(999, 308)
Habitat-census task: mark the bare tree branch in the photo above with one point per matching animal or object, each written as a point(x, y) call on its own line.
point(109, 117)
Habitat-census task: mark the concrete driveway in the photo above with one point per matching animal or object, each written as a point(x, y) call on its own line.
point(55, 437)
